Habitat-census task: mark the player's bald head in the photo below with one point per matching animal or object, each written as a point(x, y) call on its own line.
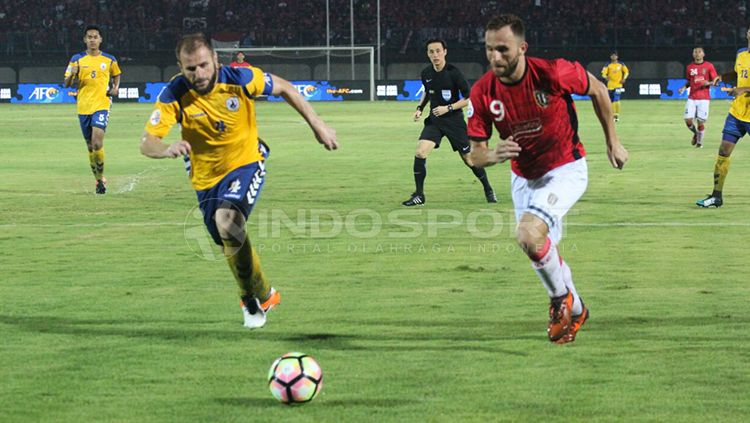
point(514, 22)
point(189, 43)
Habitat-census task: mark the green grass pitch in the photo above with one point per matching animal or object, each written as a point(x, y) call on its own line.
point(112, 311)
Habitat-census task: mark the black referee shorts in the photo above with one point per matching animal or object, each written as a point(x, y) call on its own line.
point(454, 131)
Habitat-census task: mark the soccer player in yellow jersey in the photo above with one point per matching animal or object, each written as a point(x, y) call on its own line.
point(615, 73)
point(96, 74)
point(736, 125)
point(215, 108)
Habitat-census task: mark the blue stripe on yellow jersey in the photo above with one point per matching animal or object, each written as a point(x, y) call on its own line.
point(741, 104)
point(220, 125)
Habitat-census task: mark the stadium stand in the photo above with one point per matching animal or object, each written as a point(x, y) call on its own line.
point(47, 32)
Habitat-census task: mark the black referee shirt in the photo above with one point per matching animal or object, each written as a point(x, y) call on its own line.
point(443, 88)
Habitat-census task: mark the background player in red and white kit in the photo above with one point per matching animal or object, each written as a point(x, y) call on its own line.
point(700, 75)
point(528, 100)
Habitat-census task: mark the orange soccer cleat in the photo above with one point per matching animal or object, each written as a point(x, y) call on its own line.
point(559, 316)
point(576, 323)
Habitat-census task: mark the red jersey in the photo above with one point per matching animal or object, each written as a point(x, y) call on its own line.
point(697, 75)
point(237, 64)
point(538, 111)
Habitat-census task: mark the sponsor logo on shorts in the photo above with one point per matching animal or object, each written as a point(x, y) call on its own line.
point(252, 191)
point(235, 186)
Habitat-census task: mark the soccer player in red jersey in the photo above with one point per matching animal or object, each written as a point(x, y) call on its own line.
point(528, 100)
point(239, 62)
point(701, 75)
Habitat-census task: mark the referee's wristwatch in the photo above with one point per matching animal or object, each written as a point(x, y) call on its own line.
point(450, 107)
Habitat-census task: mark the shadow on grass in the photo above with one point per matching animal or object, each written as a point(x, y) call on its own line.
point(268, 402)
point(374, 337)
point(393, 335)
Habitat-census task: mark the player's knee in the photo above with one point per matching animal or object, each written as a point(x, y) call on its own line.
point(421, 154)
point(230, 223)
point(689, 122)
point(530, 238)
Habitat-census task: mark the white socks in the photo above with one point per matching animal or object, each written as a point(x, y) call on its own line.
point(555, 274)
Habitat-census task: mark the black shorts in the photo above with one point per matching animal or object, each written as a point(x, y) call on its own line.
point(454, 131)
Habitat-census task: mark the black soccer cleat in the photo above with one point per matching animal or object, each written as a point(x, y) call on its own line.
point(101, 186)
point(710, 201)
point(490, 196)
point(415, 200)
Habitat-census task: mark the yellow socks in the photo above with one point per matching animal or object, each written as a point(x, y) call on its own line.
point(92, 163)
point(245, 265)
point(98, 163)
point(616, 108)
point(720, 172)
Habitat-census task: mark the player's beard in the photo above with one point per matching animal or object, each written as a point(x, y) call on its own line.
point(509, 69)
point(209, 87)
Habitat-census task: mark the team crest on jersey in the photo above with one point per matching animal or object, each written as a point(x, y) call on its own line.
point(103, 66)
point(541, 99)
point(446, 94)
point(469, 110)
point(155, 117)
point(498, 109)
point(233, 104)
point(551, 199)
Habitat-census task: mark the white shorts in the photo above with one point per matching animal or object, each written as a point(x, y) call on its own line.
point(551, 196)
point(697, 109)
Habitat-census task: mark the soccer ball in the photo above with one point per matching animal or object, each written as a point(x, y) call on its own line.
point(295, 378)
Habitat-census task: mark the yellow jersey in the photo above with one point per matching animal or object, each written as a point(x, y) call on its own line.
point(220, 125)
point(615, 73)
point(741, 104)
point(94, 73)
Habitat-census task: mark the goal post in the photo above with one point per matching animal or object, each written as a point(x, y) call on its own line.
point(311, 63)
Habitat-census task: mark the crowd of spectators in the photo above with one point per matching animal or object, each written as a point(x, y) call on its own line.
point(131, 26)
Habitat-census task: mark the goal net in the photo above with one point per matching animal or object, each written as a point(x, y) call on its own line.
point(310, 63)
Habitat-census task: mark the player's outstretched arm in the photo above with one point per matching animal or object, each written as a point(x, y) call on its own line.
point(736, 91)
point(323, 133)
point(482, 156)
point(616, 153)
point(152, 146)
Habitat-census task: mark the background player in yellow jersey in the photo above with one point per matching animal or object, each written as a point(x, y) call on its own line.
point(736, 125)
point(615, 73)
point(91, 72)
point(215, 108)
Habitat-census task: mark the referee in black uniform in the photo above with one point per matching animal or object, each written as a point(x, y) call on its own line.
point(442, 84)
